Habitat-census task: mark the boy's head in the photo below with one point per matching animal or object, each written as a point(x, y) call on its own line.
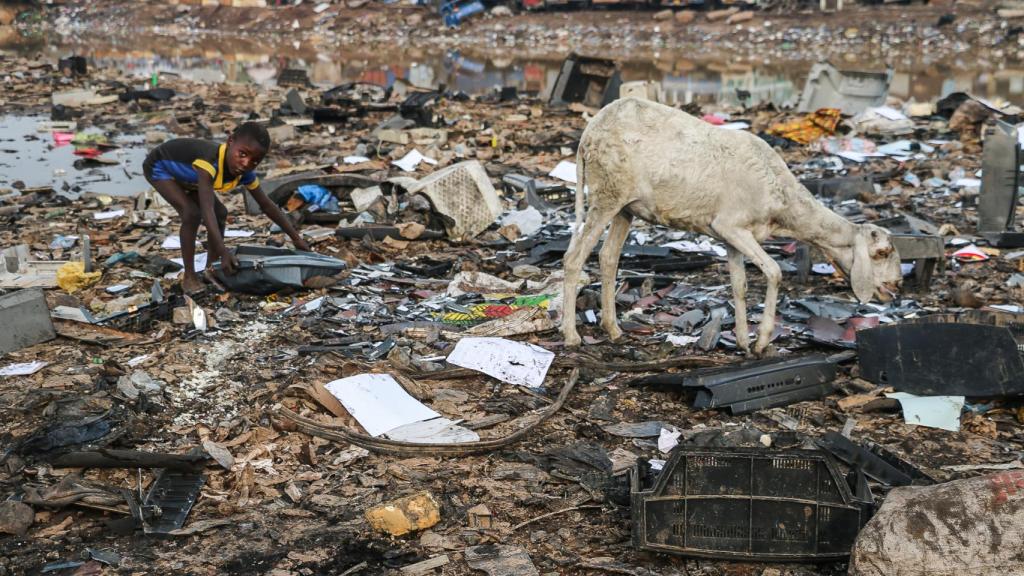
point(247, 146)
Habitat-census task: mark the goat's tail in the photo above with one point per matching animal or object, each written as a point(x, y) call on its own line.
point(580, 188)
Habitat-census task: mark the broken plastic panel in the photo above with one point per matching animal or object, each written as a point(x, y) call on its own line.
point(927, 252)
point(169, 500)
point(265, 269)
point(759, 384)
point(355, 94)
point(593, 82)
point(142, 318)
point(464, 196)
point(857, 456)
point(939, 357)
point(380, 232)
point(1000, 179)
point(419, 107)
point(842, 187)
point(850, 91)
point(543, 197)
point(294, 77)
point(748, 504)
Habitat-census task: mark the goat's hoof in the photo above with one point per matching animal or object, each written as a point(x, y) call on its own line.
point(766, 351)
point(614, 333)
point(573, 340)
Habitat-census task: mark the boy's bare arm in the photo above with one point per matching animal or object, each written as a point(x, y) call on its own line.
point(278, 217)
point(206, 210)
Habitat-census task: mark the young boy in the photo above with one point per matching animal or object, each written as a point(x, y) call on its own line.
point(188, 172)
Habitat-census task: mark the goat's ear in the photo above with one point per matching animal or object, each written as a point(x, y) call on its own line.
point(861, 280)
point(881, 244)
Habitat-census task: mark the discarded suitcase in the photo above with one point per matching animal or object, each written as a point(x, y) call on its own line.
point(946, 356)
point(265, 269)
point(748, 504)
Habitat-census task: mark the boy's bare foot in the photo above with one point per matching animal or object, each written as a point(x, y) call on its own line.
point(192, 284)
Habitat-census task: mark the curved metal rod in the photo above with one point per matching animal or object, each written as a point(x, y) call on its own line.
point(343, 434)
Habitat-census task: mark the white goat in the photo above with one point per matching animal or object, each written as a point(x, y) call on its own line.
point(639, 158)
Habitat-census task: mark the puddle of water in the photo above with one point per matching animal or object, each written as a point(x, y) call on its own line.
point(33, 157)
point(704, 79)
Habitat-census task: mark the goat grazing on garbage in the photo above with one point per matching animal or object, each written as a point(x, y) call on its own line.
point(646, 160)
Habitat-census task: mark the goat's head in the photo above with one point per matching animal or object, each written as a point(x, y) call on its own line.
point(875, 270)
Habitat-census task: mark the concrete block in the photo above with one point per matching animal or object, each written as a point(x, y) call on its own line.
point(25, 318)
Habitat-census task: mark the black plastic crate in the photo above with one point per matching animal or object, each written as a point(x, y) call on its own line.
point(748, 504)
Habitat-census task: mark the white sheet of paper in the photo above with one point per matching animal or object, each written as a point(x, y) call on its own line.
point(72, 313)
point(857, 157)
point(735, 126)
point(565, 170)
point(23, 368)
point(967, 183)
point(172, 242)
point(691, 246)
point(932, 411)
point(681, 339)
point(507, 360)
point(238, 233)
point(378, 402)
point(436, 431)
point(200, 261)
point(108, 215)
point(355, 159)
point(410, 161)
point(890, 113)
point(823, 268)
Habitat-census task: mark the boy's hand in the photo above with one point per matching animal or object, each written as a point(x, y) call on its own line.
point(228, 263)
point(301, 244)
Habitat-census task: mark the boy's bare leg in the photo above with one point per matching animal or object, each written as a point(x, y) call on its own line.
point(188, 208)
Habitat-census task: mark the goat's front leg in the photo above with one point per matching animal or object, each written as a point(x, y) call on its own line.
point(580, 247)
point(743, 241)
point(609, 259)
point(738, 277)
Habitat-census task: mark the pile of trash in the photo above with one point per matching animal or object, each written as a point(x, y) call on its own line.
point(400, 400)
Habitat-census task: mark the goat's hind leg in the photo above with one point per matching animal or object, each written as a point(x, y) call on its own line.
point(609, 259)
point(580, 247)
point(738, 278)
